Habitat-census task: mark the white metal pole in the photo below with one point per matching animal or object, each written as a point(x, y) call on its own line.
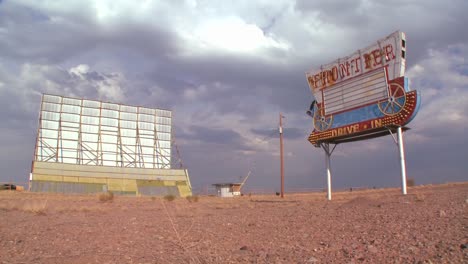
point(402, 160)
point(327, 160)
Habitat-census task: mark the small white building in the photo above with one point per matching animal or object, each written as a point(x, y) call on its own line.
point(227, 189)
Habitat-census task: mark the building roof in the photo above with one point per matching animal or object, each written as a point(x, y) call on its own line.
point(226, 184)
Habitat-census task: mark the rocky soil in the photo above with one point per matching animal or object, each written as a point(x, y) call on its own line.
point(429, 225)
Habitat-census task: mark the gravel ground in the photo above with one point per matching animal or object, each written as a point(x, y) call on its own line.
point(429, 225)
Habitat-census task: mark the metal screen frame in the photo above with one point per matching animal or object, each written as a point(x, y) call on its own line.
point(88, 132)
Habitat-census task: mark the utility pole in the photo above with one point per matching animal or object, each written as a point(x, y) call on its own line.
point(281, 154)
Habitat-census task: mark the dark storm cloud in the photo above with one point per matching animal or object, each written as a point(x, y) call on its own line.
point(16, 112)
point(13, 115)
point(95, 76)
point(218, 136)
point(282, 85)
point(35, 36)
point(20, 95)
point(12, 14)
point(288, 133)
point(247, 75)
point(341, 13)
point(428, 24)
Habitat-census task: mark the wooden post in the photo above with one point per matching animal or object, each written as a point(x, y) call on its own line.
point(281, 154)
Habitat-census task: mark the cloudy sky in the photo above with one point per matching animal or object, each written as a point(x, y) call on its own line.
point(226, 69)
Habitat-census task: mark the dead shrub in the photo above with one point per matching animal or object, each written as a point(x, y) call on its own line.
point(106, 196)
point(192, 198)
point(419, 197)
point(410, 182)
point(8, 206)
point(169, 197)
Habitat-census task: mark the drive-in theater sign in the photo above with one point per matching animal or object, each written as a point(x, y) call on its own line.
point(362, 96)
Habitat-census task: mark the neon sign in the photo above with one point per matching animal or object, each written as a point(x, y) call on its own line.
point(363, 94)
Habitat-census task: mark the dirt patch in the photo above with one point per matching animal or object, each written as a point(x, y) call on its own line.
point(429, 225)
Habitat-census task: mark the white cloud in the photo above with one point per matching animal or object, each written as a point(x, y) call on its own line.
point(232, 34)
point(111, 88)
point(194, 93)
point(444, 93)
point(203, 27)
point(79, 70)
point(78, 81)
point(199, 92)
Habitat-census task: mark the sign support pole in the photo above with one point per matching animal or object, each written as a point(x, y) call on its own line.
point(327, 161)
point(401, 149)
point(402, 160)
point(328, 153)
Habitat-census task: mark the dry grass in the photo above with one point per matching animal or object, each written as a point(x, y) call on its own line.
point(419, 197)
point(410, 182)
point(169, 197)
point(8, 206)
point(192, 199)
point(106, 197)
point(192, 255)
point(83, 209)
point(35, 206)
point(38, 207)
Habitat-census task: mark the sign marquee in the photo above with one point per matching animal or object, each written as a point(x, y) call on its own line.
point(362, 94)
point(353, 66)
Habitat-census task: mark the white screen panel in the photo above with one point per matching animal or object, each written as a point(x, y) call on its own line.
point(46, 124)
point(81, 131)
point(71, 101)
point(50, 116)
point(51, 98)
point(91, 111)
point(147, 142)
point(110, 106)
point(110, 113)
point(69, 144)
point(51, 107)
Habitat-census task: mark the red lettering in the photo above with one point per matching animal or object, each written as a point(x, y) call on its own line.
point(334, 74)
point(389, 55)
point(323, 78)
point(311, 82)
point(377, 54)
point(351, 67)
point(368, 60)
point(356, 62)
point(340, 131)
point(328, 74)
point(344, 70)
point(356, 128)
point(316, 80)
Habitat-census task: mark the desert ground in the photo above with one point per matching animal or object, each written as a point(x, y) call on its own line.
point(429, 225)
